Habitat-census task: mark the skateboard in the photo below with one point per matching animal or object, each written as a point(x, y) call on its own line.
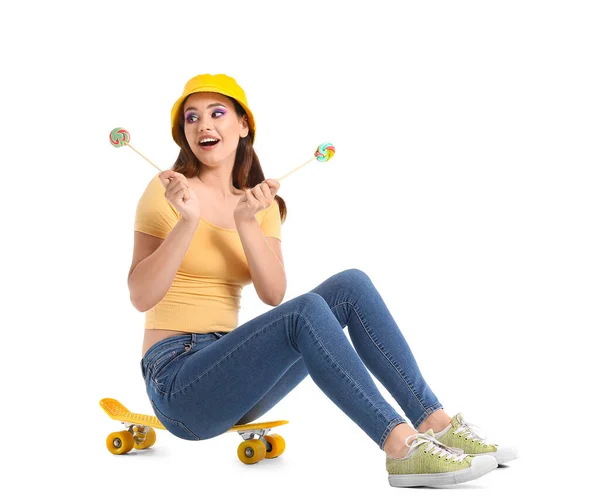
point(257, 443)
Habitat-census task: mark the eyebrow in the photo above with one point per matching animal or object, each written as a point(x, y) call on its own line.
point(209, 106)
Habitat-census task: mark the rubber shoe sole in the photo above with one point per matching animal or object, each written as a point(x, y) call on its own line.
point(480, 466)
point(503, 455)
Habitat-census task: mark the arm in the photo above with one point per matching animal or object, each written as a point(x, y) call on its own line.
point(152, 277)
point(266, 268)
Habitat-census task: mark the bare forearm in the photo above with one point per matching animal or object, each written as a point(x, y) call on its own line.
point(153, 276)
point(267, 272)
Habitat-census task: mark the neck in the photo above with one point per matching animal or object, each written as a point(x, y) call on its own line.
point(220, 188)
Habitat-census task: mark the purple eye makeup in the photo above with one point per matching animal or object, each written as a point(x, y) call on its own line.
point(217, 113)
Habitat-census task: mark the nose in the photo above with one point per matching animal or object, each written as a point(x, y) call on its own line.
point(204, 123)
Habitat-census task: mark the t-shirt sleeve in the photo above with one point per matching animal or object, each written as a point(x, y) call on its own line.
point(271, 222)
point(154, 214)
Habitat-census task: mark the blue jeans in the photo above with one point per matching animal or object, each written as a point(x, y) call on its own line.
point(201, 385)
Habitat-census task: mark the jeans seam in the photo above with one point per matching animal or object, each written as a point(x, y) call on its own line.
point(426, 413)
point(388, 430)
point(398, 370)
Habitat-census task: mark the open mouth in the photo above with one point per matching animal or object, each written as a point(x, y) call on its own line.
point(209, 144)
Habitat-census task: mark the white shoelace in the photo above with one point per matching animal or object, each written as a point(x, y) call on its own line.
point(467, 430)
point(436, 447)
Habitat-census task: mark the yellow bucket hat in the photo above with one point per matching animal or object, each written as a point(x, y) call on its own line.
point(221, 84)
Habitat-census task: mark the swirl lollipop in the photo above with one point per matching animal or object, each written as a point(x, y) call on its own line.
point(323, 153)
point(119, 137)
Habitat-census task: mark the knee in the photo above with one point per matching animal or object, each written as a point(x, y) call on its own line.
point(353, 278)
point(311, 302)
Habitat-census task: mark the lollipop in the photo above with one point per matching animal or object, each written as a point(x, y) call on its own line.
point(323, 153)
point(119, 137)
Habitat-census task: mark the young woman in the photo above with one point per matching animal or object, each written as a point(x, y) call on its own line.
point(211, 225)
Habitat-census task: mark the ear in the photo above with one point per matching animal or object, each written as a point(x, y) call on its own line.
point(245, 128)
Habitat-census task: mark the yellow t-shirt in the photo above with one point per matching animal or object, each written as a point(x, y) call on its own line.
point(205, 294)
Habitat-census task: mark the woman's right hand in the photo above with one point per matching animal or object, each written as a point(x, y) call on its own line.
point(180, 194)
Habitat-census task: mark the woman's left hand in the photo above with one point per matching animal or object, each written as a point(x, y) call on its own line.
point(255, 200)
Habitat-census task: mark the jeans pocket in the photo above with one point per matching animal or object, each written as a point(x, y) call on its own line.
point(161, 368)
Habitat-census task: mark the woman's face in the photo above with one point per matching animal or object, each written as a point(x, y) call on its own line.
point(208, 115)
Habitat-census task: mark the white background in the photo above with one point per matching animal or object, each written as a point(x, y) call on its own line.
point(465, 184)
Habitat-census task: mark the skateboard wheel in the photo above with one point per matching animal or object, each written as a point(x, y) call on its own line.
point(277, 445)
point(251, 451)
point(149, 441)
point(120, 442)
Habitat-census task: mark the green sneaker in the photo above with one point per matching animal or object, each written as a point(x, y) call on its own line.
point(461, 434)
point(431, 463)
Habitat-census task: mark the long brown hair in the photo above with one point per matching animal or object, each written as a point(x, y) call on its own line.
point(247, 171)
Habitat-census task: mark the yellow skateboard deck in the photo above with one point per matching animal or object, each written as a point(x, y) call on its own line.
point(257, 445)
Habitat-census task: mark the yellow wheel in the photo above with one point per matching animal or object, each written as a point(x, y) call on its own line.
point(119, 442)
point(277, 445)
point(252, 451)
point(149, 441)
